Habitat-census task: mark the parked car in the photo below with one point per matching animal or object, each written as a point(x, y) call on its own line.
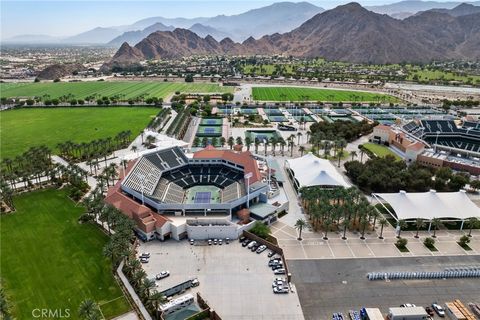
point(145, 255)
point(241, 239)
point(255, 247)
point(162, 275)
point(251, 244)
point(277, 283)
point(220, 241)
point(274, 262)
point(245, 243)
point(277, 266)
point(215, 241)
point(192, 242)
point(430, 311)
point(279, 271)
point(270, 254)
point(209, 242)
point(438, 309)
point(407, 305)
point(279, 290)
point(261, 248)
point(144, 260)
point(227, 240)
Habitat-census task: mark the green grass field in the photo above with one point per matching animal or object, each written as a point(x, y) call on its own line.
point(380, 151)
point(24, 128)
point(124, 89)
point(432, 75)
point(312, 94)
point(51, 261)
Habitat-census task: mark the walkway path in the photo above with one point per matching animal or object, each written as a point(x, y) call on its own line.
point(133, 294)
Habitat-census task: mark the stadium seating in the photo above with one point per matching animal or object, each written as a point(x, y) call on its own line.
point(145, 176)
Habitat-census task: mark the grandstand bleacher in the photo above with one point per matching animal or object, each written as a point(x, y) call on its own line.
point(165, 175)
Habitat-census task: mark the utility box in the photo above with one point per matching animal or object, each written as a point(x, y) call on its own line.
point(407, 313)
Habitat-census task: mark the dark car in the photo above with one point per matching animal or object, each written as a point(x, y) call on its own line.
point(255, 247)
point(271, 254)
point(245, 243)
point(241, 239)
point(430, 311)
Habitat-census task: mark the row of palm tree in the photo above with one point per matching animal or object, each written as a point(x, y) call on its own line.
point(94, 149)
point(5, 307)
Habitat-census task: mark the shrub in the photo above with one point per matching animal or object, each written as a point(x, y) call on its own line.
point(401, 243)
point(464, 240)
point(429, 242)
point(260, 229)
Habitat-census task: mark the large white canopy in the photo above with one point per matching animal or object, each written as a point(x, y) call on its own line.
point(311, 170)
point(431, 204)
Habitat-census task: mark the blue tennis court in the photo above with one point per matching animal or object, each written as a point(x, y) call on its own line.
point(209, 130)
point(203, 197)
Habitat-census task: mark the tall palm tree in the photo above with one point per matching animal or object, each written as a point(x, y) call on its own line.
point(231, 142)
point(472, 223)
point(301, 149)
point(383, 222)
point(419, 223)
point(147, 286)
point(436, 223)
point(353, 154)
point(326, 224)
point(299, 225)
point(363, 224)
point(155, 300)
point(402, 224)
point(89, 310)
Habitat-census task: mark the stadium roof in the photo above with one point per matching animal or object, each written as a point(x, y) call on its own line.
point(311, 170)
point(431, 204)
point(245, 159)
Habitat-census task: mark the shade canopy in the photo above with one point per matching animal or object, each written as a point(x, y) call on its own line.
point(311, 170)
point(431, 204)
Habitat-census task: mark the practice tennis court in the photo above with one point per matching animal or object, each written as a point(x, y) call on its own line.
point(209, 131)
point(277, 118)
point(211, 122)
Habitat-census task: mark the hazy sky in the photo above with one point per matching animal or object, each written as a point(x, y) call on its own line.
point(68, 17)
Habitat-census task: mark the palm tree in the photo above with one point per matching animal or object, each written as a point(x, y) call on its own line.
point(299, 225)
point(248, 142)
point(436, 224)
point(299, 135)
point(301, 149)
point(362, 152)
point(134, 148)
point(327, 223)
point(155, 300)
point(231, 142)
point(402, 224)
point(353, 154)
point(363, 224)
point(147, 286)
point(383, 222)
point(89, 310)
point(472, 223)
point(222, 141)
point(419, 223)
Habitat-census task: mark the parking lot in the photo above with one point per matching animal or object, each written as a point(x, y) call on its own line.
point(234, 281)
point(338, 285)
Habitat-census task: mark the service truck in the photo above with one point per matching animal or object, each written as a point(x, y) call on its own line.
point(407, 313)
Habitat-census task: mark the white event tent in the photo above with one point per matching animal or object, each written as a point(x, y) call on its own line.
point(311, 170)
point(429, 205)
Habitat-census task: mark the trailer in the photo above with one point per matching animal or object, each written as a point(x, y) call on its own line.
point(407, 313)
point(374, 314)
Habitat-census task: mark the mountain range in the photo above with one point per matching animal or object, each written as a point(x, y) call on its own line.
point(279, 17)
point(346, 33)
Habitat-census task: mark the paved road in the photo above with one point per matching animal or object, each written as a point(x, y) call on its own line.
point(327, 286)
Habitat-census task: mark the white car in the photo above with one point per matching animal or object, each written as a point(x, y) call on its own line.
point(192, 242)
point(162, 275)
point(277, 283)
point(279, 271)
point(438, 309)
point(144, 260)
point(220, 241)
point(251, 244)
point(145, 255)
